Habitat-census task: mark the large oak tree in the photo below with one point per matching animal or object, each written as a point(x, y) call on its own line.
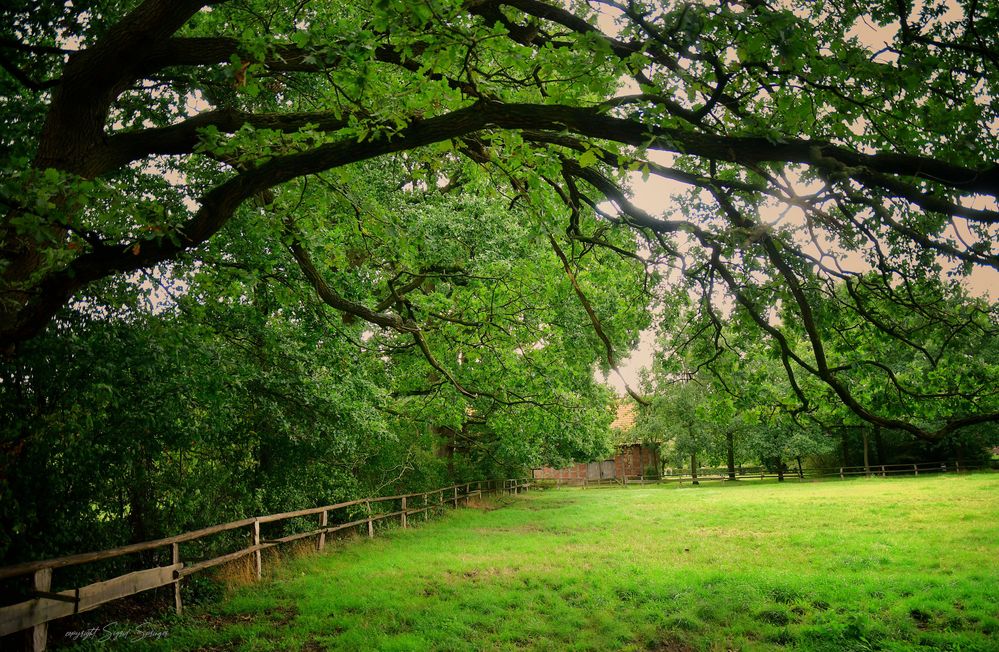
point(135, 131)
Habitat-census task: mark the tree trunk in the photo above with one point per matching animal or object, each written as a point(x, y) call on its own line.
point(693, 469)
point(730, 445)
point(801, 474)
point(780, 470)
point(452, 444)
point(867, 460)
point(141, 507)
point(879, 446)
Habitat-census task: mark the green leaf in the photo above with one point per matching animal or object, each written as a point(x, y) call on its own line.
point(588, 158)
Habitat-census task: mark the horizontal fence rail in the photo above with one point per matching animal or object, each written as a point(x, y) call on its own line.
point(46, 605)
point(758, 473)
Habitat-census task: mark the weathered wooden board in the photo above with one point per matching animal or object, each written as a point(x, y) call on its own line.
point(87, 557)
point(40, 610)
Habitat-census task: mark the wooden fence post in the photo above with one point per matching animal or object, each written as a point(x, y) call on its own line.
point(426, 506)
point(371, 525)
point(324, 520)
point(841, 473)
point(455, 488)
point(915, 469)
point(256, 545)
point(40, 632)
point(403, 516)
point(440, 501)
point(177, 605)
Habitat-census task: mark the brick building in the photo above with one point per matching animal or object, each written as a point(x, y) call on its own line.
point(631, 460)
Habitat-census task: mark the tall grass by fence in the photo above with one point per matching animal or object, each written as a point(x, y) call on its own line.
point(45, 605)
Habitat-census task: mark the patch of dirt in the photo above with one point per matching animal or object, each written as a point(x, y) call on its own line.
point(548, 504)
point(278, 616)
point(517, 529)
point(670, 644)
point(774, 617)
point(219, 621)
point(782, 638)
point(488, 505)
point(921, 617)
point(281, 615)
point(476, 575)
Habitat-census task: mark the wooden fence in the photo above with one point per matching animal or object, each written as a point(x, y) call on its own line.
point(757, 473)
point(46, 605)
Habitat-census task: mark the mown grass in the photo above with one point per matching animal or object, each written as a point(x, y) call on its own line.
point(896, 564)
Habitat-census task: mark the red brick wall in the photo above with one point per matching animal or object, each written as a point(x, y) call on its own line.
point(575, 472)
point(633, 459)
point(630, 460)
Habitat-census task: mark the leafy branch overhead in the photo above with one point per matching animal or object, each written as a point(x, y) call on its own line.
point(824, 172)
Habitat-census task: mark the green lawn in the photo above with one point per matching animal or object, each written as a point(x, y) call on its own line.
point(896, 564)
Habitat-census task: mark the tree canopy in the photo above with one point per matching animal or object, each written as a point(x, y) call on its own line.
point(417, 164)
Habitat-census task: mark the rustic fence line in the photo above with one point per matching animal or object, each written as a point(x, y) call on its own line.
point(721, 474)
point(46, 605)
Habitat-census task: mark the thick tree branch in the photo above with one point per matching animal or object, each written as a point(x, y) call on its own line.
point(333, 299)
point(183, 137)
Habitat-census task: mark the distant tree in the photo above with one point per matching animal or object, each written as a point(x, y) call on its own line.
point(777, 440)
point(672, 420)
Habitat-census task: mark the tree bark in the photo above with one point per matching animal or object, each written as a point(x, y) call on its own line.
point(867, 460)
point(730, 446)
point(879, 446)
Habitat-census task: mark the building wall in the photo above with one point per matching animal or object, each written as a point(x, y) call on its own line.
point(630, 460)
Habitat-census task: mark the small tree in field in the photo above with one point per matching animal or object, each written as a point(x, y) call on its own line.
point(688, 423)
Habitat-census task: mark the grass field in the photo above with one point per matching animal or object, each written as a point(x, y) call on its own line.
point(896, 564)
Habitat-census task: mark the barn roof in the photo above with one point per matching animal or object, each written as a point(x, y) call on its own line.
point(624, 421)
